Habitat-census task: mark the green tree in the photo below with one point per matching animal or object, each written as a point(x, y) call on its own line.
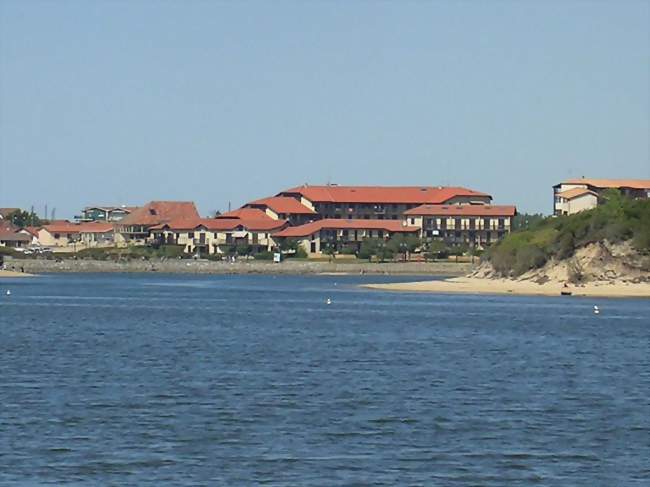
point(23, 218)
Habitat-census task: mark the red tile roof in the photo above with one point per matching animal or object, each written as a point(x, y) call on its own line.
point(9, 236)
point(283, 204)
point(392, 226)
point(612, 183)
point(264, 225)
point(462, 210)
point(69, 227)
point(247, 213)
point(570, 194)
point(193, 223)
point(381, 194)
point(156, 212)
point(216, 224)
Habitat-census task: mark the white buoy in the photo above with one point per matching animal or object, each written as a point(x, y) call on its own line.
point(329, 301)
point(8, 292)
point(596, 310)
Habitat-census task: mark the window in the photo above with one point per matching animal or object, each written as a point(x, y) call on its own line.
point(190, 235)
point(412, 221)
point(57, 235)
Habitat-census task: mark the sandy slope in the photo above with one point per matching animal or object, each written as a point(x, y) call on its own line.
point(470, 285)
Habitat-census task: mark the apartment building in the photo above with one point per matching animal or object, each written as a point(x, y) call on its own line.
point(207, 236)
point(575, 195)
point(135, 227)
point(340, 233)
point(377, 202)
point(105, 213)
point(473, 225)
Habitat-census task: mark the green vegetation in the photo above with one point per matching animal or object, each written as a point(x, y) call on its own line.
point(617, 219)
point(22, 218)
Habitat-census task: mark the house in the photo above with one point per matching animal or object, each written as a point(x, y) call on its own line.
point(575, 195)
point(209, 236)
point(134, 227)
point(341, 234)
point(71, 237)
point(377, 202)
point(473, 225)
point(105, 213)
point(13, 239)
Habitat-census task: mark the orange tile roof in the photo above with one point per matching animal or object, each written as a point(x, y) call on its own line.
point(264, 225)
point(156, 212)
point(69, 227)
point(570, 194)
point(215, 224)
point(283, 204)
point(612, 183)
point(193, 223)
point(10, 236)
point(462, 210)
point(381, 194)
point(392, 226)
point(249, 213)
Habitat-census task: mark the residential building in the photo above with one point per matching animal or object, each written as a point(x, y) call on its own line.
point(133, 229)
point(377, 202)
point(71, 237)
point(13, 239)
point(207, 236)
point(575, 195)
point(105, 213)
point(473, 225)
point(285, 208)
point(341, 234)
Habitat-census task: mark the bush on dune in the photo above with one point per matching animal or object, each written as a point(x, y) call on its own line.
point(617, 219)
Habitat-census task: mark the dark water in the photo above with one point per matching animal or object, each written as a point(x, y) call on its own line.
point(254, 380)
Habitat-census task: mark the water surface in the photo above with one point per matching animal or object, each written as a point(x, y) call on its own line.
point(255, 380)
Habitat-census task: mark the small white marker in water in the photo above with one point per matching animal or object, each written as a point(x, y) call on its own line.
point(596, 310)
point(329, 301)
point(8, 292)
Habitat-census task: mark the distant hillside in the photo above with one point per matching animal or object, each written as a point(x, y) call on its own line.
point(610, 242)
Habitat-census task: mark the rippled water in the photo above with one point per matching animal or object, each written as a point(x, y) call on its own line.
point(246, 380)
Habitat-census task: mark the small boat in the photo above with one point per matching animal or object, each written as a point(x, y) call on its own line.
point(565, 293)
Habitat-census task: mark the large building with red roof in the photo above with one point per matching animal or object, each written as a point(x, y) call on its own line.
point(134, 227)
point(472, 225)
point(377, 202)
point(338, 233)
point(218, 235)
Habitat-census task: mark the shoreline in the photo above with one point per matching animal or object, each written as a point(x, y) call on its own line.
point(472, 285)
point(4, 273)
point(187, 266)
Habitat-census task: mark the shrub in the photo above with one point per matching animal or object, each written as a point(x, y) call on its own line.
point(264, 255)
point(528, 258)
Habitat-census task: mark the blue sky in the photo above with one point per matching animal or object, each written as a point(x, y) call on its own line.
point(116, 102)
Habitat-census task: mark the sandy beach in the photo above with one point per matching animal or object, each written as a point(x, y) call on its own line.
point(470, 285)
point(14, 274)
